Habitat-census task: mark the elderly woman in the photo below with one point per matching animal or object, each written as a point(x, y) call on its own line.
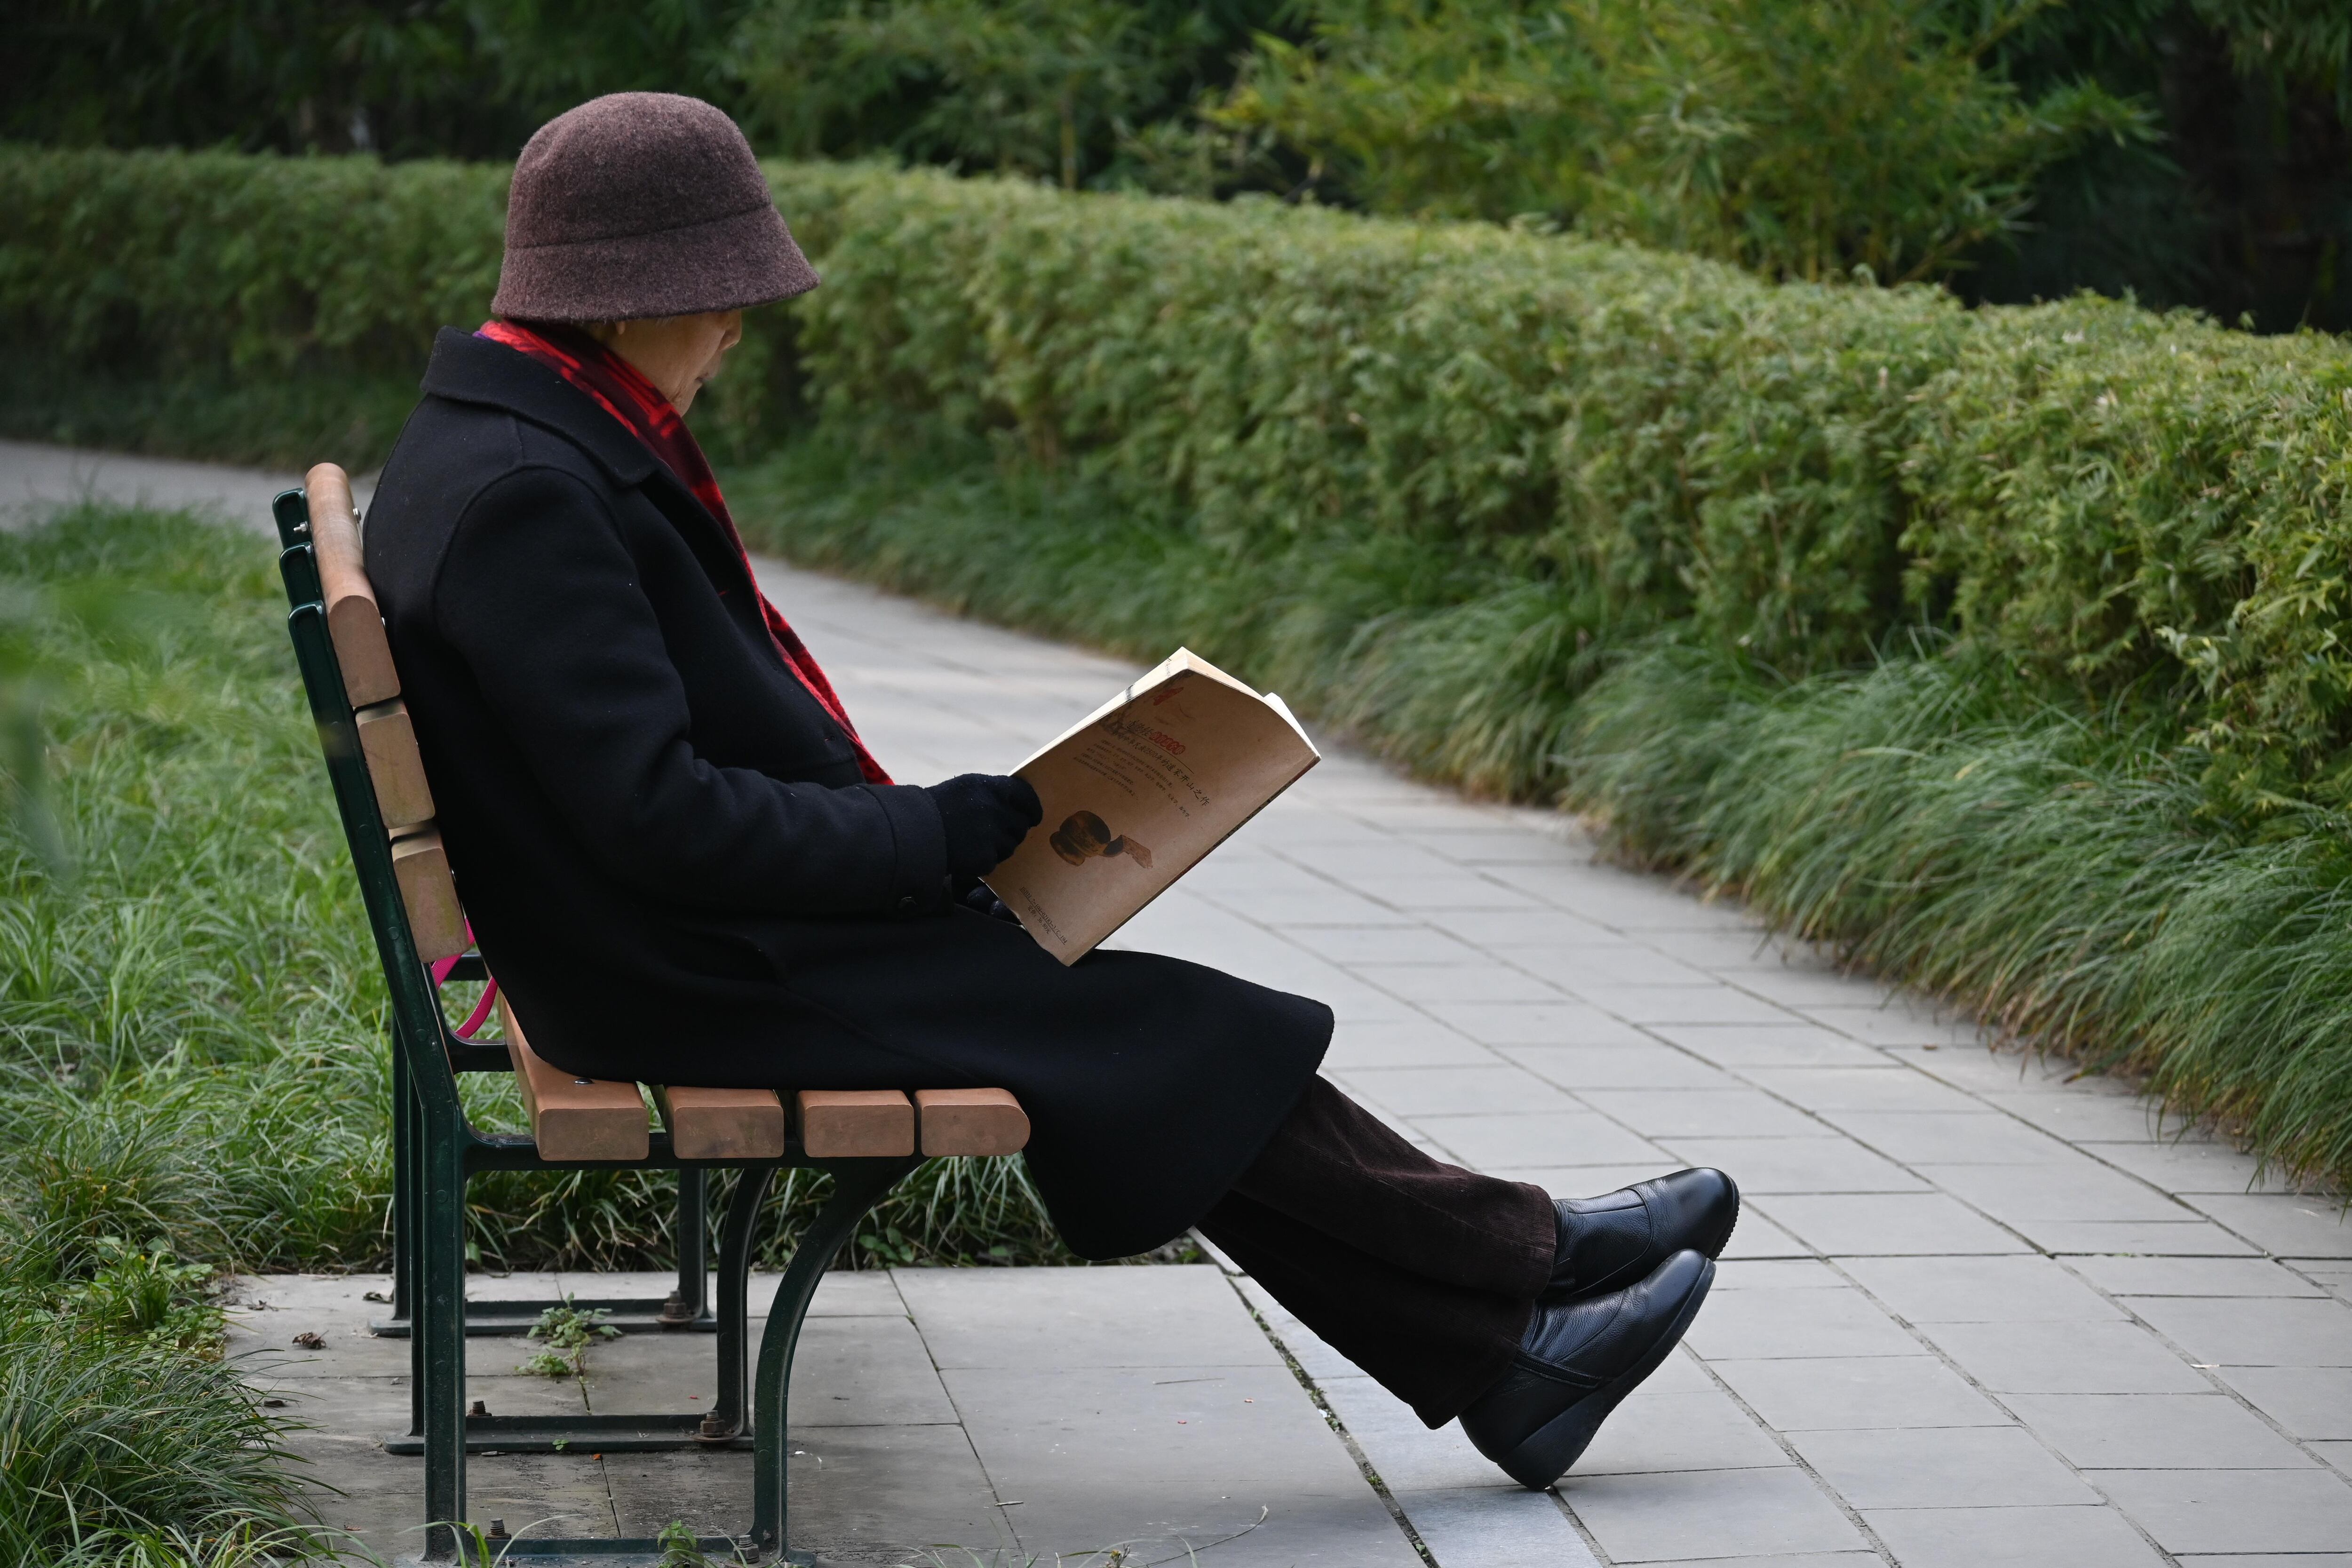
point(683, 864)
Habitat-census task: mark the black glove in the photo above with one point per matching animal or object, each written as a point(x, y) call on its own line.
point(986, 816)
point(982, 899)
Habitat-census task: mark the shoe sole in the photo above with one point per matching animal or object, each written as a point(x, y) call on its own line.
point(1715, 1249)
point(1551, 1448)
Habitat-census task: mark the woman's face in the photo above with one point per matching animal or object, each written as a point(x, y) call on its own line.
point(677, 354)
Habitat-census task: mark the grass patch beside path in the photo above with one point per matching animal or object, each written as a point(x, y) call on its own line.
point(191, 1059)
point(2060, 872)
point(192, 1067)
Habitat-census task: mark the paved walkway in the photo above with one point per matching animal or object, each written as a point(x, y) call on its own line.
point(1974, 1313)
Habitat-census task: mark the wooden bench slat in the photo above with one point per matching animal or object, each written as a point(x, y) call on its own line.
point(722, 1124)
point(434, 916)
point(388, 741)
point(574, 1118)
point(971, 1122)
point(855, 1123)
point(355, 620)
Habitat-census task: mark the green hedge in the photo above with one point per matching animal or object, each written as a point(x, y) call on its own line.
point(1474, 493)
point(2113, 498)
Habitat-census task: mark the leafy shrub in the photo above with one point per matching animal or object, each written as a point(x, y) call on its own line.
point(1801, 140)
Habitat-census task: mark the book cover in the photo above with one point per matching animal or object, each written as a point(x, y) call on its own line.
point(1137, 792)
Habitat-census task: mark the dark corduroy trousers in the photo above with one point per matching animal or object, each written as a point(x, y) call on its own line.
point(1422, 1273)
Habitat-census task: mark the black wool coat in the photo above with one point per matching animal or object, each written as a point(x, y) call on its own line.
point(673, 865)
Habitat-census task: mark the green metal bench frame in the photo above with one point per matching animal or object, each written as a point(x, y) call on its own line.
point(435, 1149)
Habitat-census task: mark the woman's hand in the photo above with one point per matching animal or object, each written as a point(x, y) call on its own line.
point(986, 816)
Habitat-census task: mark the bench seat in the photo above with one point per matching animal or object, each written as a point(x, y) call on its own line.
point(574, 1118)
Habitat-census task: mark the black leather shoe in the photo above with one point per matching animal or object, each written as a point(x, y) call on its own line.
point(1575, 1362)
point(1607, 1243)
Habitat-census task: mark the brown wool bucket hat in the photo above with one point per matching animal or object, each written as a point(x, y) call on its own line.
point(643, 204)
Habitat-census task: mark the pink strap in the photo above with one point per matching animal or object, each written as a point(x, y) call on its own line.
point(474, 1020)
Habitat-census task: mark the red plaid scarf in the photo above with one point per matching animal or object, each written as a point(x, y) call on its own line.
point(623, 392)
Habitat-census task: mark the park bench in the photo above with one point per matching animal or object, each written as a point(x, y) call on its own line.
point(865, 1140)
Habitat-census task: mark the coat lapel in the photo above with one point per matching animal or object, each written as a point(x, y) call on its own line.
point(468, 368)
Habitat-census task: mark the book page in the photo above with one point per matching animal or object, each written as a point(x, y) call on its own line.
point(1137, 792)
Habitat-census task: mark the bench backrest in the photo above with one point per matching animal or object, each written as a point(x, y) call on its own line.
point(373, 763)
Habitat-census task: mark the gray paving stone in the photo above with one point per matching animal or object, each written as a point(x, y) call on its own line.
point(1946, 1466)
point(1650, 1065)
point(1792, 986)
point(1583, 1181)
point(1664, 1113)
point(2312, 1403)
point(1548, 929)
point(2280, 1225)
point(1543, 1138)
point(1830, 1163)
point(2235, 1511)
point(1949, 1138)
point(1458, 890)
point(1225, 1442)
point(1417, 1042)
point(1486, 982)
point(2262, 1332)
point(2194, 1277)
point(1166, 1315)
point(1788, 1044)
point(1757, 1236)
point(2082, 1113)
point(1659, 1004)
point(2156, 1432)
point(1321, 1364)
point(1499, 1088)
point(1702, 1428)
point(1537, 1024)
point(1858, 1393)
point(1887, 1086)
point(2075, 1537)
point(1627, 964)
point(865, 1494)
point(850, 1372)
point(2188, 1164)
point(1751, 1325)
point(1379, 944)
point(1887, 1224)
point(1485, 1528)
point(1709, 1513)
point(2066, 1358)
point(2154, 1239)
point(1894, 1025)
point(1981, 1290)
point(2076, 1188)
point(1782, 1560)
point(1780, 1273)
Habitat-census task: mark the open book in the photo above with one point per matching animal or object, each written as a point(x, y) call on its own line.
point(1138, 791)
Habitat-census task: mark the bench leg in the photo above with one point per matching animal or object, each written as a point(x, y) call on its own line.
point(693, 1247)
point(438, 1336)
point(857, 1186)
point(407, 1174)
point(736, 1238)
